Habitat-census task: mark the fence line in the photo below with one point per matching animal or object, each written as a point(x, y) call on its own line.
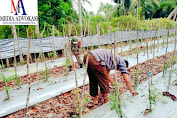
point(56, 43)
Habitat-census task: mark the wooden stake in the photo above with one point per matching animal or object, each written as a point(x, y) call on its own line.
point(7, 63)
point(28, 75)
point(19, 48)
point(83, 92)
point(15, 39)
point(98, 34)
point(169, 81)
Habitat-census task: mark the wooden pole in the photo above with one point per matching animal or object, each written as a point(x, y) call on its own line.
point(15, 39)
point(19, 48)
point(28, 75)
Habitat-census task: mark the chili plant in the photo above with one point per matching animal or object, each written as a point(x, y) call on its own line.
point(115, 102)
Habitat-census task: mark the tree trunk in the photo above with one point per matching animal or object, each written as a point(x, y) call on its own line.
point(172, 14)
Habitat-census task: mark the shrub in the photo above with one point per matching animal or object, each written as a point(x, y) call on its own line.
point(123, 20)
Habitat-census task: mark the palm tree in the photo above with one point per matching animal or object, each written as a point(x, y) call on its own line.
point(123, 6)
point(151, 7)
point(166, 7)
point(107, 9)
point(173, 14)
point(81, 10)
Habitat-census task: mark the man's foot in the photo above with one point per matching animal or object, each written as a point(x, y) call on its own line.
point(95, 100)
point(106, 100)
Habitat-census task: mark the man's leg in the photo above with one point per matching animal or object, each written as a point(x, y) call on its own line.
point(103, 82)
point(93, 83)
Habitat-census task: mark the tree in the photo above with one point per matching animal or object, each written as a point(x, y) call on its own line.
point(151, 7)
point(166, 7)
point(173, 14)
point(107, 9)
point(123, 6)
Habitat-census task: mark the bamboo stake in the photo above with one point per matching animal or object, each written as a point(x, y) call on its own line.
point(4, 80)
point(64, 43)
point(155, 40)
point(121, 40)
point(53, 36)
point(46, 69)
point(127, 29)
point(166, 51)
point(168, 38)
point(28, 75)
point(137, 68)
point(143, 43)
point(5, 83)
point(15, 39)
point(163, 43)
point(109, 33)
point(158, 39)
point(19, 48)
point(75, 29)
point(115, 65)
point(83, 92)
point(89, 26)
point(27, 33)
point(98, 34)
point(1, 60)
point(85, 29)
point(37, 59)
point(7, 63)
point(117, 34)
point(169, 81)
point(151, 40)
point(149, 73)
point(88, 33)
point(130, 42)
point(102, 30)
point(76, 82)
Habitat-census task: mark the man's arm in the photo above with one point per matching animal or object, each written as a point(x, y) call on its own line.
point(128, 83)
point(110, 78)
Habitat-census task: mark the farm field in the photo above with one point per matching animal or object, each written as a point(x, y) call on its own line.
point(65, 85)
point(44, 71)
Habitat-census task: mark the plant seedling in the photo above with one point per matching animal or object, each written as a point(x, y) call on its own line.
point(115, 102)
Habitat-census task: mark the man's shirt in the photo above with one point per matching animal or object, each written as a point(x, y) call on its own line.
point(106, 58)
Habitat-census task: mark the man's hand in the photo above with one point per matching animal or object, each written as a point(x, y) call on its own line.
point(133, 92)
